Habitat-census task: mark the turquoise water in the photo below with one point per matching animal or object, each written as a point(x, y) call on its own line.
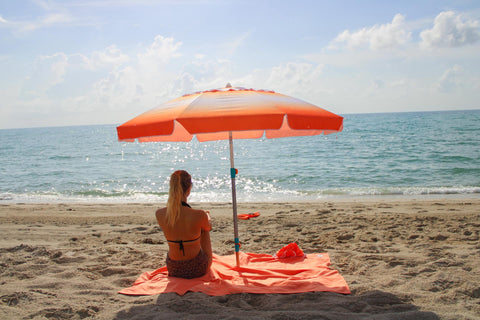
point(419, 154)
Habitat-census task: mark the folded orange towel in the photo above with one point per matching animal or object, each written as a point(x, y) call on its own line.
point(290, 250)
point(258, 273)
point(247, 216)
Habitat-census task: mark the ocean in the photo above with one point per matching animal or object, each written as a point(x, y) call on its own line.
point(419, 154)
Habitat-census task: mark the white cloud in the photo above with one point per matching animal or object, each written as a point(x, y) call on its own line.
point(203, 73)
point(111, 56)
point(53, 16)
point(230, 47)
point(298, 79)
point(46, 5)
point(404, 77)
point(47, 21)
point(138, 85)
point(68, 89)
point(450, 30)
point(61, 74)
point(451, 79)
point(294, 77)
point(160, 51)
point(48, 71)
point(377, 37)
point(378, 83)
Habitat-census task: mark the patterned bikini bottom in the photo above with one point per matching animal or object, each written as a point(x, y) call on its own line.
point(188, 269)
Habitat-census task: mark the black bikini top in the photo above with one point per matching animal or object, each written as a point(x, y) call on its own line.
point(181, 242)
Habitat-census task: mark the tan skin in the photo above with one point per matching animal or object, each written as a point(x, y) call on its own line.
point(190, 225)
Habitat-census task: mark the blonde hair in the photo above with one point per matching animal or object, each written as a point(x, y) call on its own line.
point(180, 182)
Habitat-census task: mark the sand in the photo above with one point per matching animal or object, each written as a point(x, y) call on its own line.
point(402, 258)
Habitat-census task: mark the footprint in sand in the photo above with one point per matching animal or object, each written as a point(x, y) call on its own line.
point(475, 293)
point(124, 282)
point(110, 271)
point(438, 237)
point(66, 313)
point(153, 230)
point(150, 241)
point(14, 299)
point(291, 225)
point(347, 236)
point(394, 262)
point(384, 206)
point(67, 260)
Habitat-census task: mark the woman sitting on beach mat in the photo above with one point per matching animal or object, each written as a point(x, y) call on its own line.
point(187, 231)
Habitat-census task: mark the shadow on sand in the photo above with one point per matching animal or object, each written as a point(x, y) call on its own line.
point(310, 305)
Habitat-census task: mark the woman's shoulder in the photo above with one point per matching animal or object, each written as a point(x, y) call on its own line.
point(161, 212)
point(195, 212)
point(198, 215)
point(203, 218)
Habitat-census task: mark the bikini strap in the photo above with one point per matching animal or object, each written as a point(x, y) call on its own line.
point(181, 242)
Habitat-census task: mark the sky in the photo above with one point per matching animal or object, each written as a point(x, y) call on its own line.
point(83, 62)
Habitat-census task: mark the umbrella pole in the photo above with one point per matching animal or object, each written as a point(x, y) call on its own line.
point(233, 173)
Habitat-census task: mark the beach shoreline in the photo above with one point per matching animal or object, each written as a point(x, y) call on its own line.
point(12, 199)
point(68, 260)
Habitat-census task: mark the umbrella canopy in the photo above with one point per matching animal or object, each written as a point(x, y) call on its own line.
point(247, 113)
point(230, 113)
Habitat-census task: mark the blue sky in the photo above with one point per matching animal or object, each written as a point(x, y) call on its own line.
point(104, 61)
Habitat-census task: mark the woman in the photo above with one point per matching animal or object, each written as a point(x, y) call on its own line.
point(187, 231)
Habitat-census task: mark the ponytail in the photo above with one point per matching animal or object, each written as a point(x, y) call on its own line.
point(180, 182)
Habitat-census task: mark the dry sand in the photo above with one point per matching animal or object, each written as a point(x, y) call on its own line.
point(403, 259)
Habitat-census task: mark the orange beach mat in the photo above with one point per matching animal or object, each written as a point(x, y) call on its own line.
point(258, 273)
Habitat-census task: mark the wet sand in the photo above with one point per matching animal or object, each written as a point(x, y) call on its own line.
point(402, 258)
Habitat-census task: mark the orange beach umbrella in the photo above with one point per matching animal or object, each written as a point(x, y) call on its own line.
point(230, 113)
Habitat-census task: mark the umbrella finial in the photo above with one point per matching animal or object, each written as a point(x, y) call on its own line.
point(228, 85)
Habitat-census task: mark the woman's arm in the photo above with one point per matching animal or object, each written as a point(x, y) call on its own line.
point(206, 245)
point(206, 221)
point(205, 237)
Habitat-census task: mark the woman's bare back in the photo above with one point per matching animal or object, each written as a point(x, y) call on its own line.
point(185, 237)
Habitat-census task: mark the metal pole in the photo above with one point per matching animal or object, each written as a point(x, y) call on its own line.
point(233, 173)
